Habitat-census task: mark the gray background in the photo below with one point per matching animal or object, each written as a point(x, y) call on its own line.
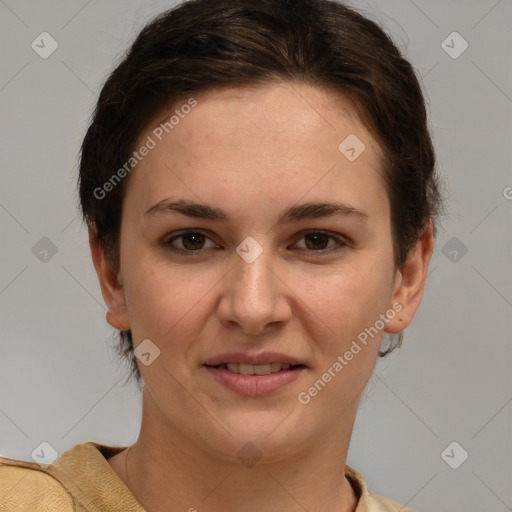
point(451, 381)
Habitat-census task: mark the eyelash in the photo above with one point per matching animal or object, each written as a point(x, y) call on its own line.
point(168, 242)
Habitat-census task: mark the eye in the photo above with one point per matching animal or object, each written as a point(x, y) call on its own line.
point(192, 242)
point(316, 241)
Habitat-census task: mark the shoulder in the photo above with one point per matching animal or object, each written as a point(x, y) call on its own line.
point(381, 504)
point(369, 502)
point(26, 486)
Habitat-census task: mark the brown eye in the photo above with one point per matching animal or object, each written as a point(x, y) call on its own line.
point(318, 241)
point(191, 242)
point(315, 240)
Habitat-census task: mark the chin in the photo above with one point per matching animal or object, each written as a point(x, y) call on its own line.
point(260, 435)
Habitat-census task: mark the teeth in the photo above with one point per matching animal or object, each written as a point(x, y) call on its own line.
point(246, 369)
point(262, 369)
point(275, 367)
point(258, 369)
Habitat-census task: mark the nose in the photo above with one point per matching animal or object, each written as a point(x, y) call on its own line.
point(255, 295)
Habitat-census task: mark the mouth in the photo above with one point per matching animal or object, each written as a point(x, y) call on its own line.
point(255, 375)
point(257, 369)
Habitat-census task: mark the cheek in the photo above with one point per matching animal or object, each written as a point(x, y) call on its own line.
point(163, 300)
point(349, 300)
point(349, 306)
point(161, 296)
point(171, 303)
point(168, 306)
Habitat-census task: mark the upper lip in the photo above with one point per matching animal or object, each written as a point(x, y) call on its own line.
point(254, 359)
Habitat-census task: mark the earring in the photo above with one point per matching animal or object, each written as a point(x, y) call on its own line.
point(392, 346)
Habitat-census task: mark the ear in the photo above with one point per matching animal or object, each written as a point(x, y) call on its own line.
point(410, 282)
point(111, 289)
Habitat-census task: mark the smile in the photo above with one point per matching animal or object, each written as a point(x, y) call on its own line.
point(255, 380)
point(257, 369)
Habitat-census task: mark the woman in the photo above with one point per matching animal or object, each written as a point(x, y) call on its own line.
point(258, 182)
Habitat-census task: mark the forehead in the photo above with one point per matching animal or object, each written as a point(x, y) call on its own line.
point(229, 115)
point(279, 141)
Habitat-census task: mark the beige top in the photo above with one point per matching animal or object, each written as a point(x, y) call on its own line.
point(82, 480)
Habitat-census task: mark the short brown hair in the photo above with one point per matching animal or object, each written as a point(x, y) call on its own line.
point(206, 44)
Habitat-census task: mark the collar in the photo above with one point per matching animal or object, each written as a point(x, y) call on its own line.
point(85, 473)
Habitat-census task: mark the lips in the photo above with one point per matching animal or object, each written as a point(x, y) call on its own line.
point(254, 384)
point(258, 369)
point(255, 374)
point(262, 358)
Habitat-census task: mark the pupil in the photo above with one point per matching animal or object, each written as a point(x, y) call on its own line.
point(191, 236)
point(318, 237)
point(197, 240)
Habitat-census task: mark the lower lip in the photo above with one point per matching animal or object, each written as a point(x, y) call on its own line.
point(255, 385)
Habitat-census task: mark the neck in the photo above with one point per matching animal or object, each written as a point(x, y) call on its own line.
point(165, 470)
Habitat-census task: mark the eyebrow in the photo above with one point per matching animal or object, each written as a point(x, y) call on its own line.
point(295, 213)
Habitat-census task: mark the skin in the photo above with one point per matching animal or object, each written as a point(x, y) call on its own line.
point(254, 153)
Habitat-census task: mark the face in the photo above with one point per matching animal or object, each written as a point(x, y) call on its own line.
point(248, 279)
